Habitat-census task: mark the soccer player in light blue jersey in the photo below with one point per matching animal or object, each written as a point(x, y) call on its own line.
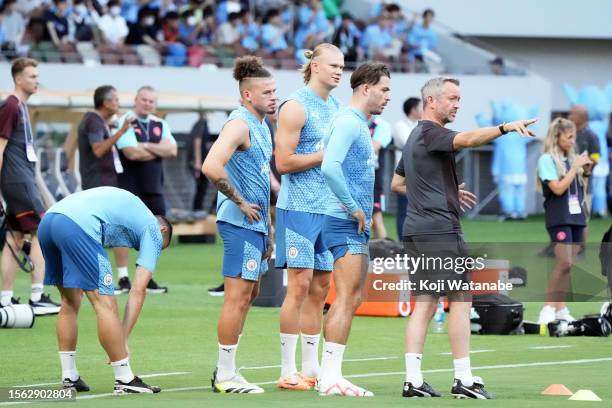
point(348, 167)
point(73, 234)
point(239, 166)
point(303, 120)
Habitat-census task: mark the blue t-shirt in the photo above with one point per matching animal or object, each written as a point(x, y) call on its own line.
point(348, 165)
point(249, 171)
point(115, 218)
point(271, 39)
point(375, 36)
point(306, 190)
point(423, 38)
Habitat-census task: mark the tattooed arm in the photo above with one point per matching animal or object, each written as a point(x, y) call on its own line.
point(234, 136)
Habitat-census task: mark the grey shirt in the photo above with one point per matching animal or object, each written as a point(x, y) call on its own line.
point(587, 140)
point(15, 126)
point(428, 164)
point(95, 172)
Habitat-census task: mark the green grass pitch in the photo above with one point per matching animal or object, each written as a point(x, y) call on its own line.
point(176, 335)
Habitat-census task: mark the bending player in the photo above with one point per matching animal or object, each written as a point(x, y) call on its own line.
point(303, 120)
point(73, 234)
point(239, 166)
point(348, 167)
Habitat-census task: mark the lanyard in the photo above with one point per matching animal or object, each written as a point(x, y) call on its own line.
point(29, 137)
point(145, 129)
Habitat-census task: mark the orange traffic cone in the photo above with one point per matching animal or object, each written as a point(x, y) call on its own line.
point(557, 389)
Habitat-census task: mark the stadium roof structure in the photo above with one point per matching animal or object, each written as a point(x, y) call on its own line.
point(60, 106)
point(49, 105)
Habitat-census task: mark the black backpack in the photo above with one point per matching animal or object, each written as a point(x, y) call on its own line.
point(498, 314)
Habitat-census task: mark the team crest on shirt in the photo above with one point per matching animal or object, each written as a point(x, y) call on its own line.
point(293, 252)
point(108, 279)
point(251, 265)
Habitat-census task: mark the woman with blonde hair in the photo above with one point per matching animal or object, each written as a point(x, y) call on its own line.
point(560, 170)
point(303, 120)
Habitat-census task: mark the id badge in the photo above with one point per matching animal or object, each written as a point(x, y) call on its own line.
point(117, 161)
point(574, 204)
point(31, 152)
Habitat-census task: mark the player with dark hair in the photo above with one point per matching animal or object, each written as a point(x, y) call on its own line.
point(238, 164)
point(348, 167)
point(73, 235)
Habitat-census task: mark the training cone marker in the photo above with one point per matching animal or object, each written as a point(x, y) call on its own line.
point(584, 395)
point(557, 389)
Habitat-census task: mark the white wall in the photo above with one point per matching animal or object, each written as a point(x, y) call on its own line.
point(577, 62)
point(477, 90)
point(522, 18)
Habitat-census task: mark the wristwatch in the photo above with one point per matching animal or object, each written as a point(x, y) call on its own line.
point(501, 129)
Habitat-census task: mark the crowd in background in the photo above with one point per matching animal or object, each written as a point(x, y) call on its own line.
point(193, 32)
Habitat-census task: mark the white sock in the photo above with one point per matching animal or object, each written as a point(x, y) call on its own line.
point(288, 346)
point(310, 355)
point(122, 370)
point(68, 362)
point(37, 290)
point(122, 271)
point(226, 365)
point(331, 362)
point(463, 371)
point(5, 297)
point(413, 369)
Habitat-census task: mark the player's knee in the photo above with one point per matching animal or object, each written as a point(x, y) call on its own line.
point(238, 301)
point(320, 288)
point(299, 289)
point(254, 294)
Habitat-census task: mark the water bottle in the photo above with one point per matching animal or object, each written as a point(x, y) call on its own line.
point(439, 319)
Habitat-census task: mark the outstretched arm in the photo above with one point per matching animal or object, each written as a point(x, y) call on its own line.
point(481, 136)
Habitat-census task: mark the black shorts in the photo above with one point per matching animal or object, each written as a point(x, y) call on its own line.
point(154, 202)
point(442, 268)
point(566, 234)
point(24, 206)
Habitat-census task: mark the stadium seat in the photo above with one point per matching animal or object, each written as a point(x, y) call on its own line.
point(88, 52)
point(148, 55)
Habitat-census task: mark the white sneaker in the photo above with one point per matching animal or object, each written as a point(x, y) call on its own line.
point(235, 385)
point(547, 315)
point(564, 314)
point(344, 388)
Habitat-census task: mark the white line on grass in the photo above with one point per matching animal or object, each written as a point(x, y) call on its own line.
point(491, 367)
point(550, 347)
point(347, 360)
point(142, 376)
point(448, 353)
point(439, 370)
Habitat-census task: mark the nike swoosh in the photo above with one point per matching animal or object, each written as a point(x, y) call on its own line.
point(312, 344)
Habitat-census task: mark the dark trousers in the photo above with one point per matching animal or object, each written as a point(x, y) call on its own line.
point(202, 185)
point(402, 202)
